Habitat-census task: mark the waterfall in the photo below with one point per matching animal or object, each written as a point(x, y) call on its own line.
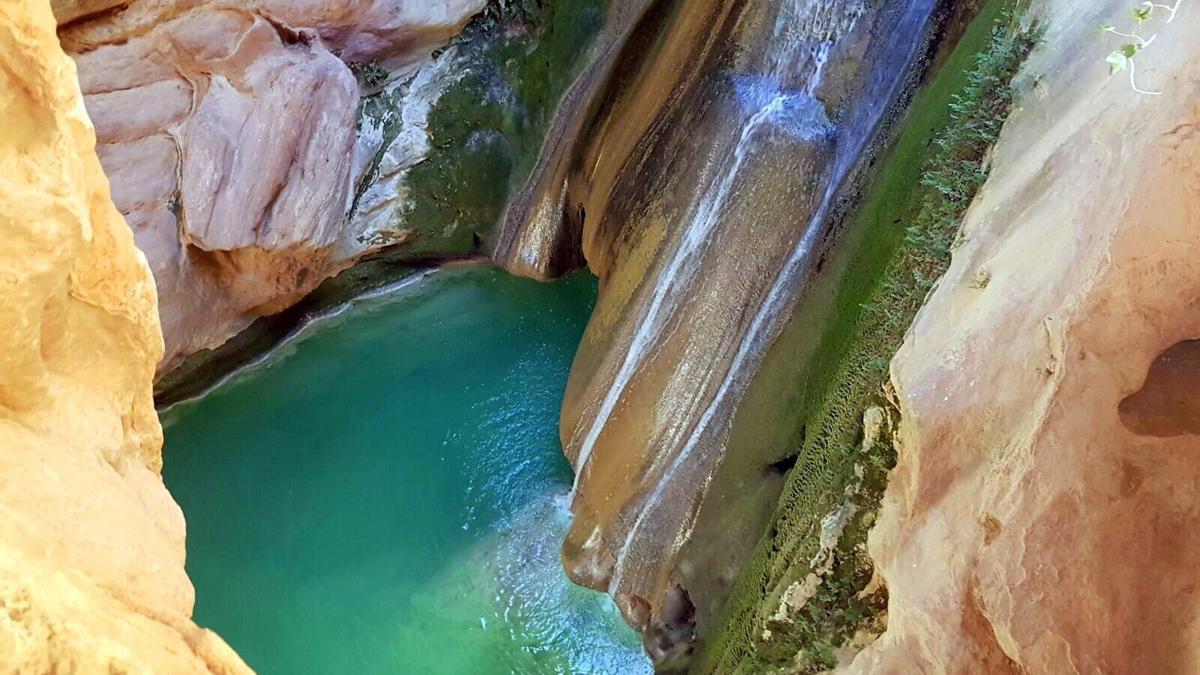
point(856, 132)
point(804, 29)
point(670, 288)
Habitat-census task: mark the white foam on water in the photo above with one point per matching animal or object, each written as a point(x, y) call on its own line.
point(544, 623)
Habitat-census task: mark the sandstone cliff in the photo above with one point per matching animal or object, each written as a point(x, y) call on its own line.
point(91, 544)
point(231, 133)
point(1041, 515)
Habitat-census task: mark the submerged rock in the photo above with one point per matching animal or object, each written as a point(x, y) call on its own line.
point(91, 545)
point(1041, 515)
point(231, 133)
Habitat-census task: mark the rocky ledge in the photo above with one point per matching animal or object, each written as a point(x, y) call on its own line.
point(235, 139)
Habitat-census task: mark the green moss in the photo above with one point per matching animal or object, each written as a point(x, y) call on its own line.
point(487, 130)
point(370, 74)
point(896, 245)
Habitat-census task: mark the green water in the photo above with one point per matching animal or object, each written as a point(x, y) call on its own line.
point(388, 496)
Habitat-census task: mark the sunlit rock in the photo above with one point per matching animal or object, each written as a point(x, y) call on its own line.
point(91, 545)
point(1041, 516)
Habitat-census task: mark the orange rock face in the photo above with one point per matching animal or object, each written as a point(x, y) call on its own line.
point(91, 544)
point(1041, 517)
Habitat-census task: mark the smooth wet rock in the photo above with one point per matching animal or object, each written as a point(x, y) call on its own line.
point(91, 545)
point(1030, 526)
point(231, 133)
point(696, 179)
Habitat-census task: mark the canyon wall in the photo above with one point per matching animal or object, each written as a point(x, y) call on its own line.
point(239, 149)
point(91, 544)
point(1041, 515)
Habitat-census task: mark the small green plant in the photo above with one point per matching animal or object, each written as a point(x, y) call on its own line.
point(1123, 58)
point(371, 74)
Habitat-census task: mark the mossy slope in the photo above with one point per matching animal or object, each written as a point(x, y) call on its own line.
point(487, 129)
point(900, 240)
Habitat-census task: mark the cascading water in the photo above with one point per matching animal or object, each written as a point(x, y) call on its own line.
point(683, 264)
point(705, 229)
point(804, 33)
point(772, 314)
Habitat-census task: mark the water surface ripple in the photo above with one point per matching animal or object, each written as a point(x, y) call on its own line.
point(390, 495)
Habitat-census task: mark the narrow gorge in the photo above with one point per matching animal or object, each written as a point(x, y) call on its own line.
point(598, 336)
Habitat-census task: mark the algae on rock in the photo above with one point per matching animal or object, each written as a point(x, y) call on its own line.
point(942, 147)
point(487, 129)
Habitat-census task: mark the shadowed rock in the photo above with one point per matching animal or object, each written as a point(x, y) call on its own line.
point(230, 132)
point(1167, 404)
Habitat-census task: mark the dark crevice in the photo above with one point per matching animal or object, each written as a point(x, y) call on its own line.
point(289, 35)
point(670, 639)
point(782, 466)
point(107, 14)
point(1166, 405)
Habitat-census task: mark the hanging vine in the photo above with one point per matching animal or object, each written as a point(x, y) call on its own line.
point(1123, 59)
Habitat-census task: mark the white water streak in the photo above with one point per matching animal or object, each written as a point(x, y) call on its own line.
point(800, 25)
point(778, 293)
point(668, 290)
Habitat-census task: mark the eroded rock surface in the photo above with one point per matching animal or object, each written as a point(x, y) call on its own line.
point(91, 544)
point(231, 133)
point(697, 184)
point(1028, 527)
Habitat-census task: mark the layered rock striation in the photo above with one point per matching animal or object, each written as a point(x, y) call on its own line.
point(698, 177)
point(234, 139)
point(1039, 519)
point(91, 544)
